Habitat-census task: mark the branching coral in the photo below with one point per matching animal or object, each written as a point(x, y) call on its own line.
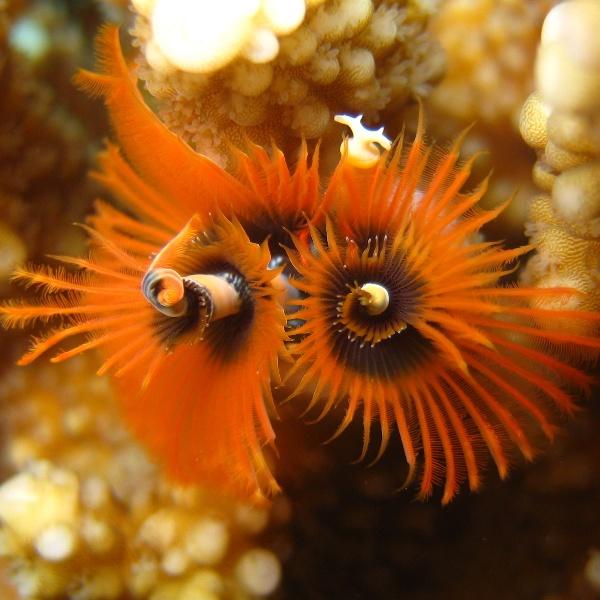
point(288, 69)
point(87, 516)
point(561, 121)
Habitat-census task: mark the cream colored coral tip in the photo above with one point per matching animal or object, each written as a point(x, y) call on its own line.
point(566, 84)
point(311, 118)
point(576, 193)
point(33, 500)
point(98, 535)
point(533, 121)
point(175, 561)
point(159, 530)
point(207, 541)
point(283, 16)
point(262, 46)
point(250, 80)
point(258, 572)
point(144, 7)
point(575, 132)
point(201, 37)
point(56, 542)
point(362, 146)
point(575, 25)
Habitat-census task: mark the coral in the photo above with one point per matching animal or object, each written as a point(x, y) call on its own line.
point(561, 121)
point(200, 38)
point(87, 516)
point(287, 69)
point(490, 46)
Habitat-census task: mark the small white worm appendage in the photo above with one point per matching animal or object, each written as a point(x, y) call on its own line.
point(375, 298)
point(362, 147)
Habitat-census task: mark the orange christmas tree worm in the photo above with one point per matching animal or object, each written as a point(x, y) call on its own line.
point(199, 396)
point(406, 318)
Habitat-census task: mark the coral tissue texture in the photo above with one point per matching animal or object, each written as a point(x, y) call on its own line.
point(561, 120)
point(288, 69)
